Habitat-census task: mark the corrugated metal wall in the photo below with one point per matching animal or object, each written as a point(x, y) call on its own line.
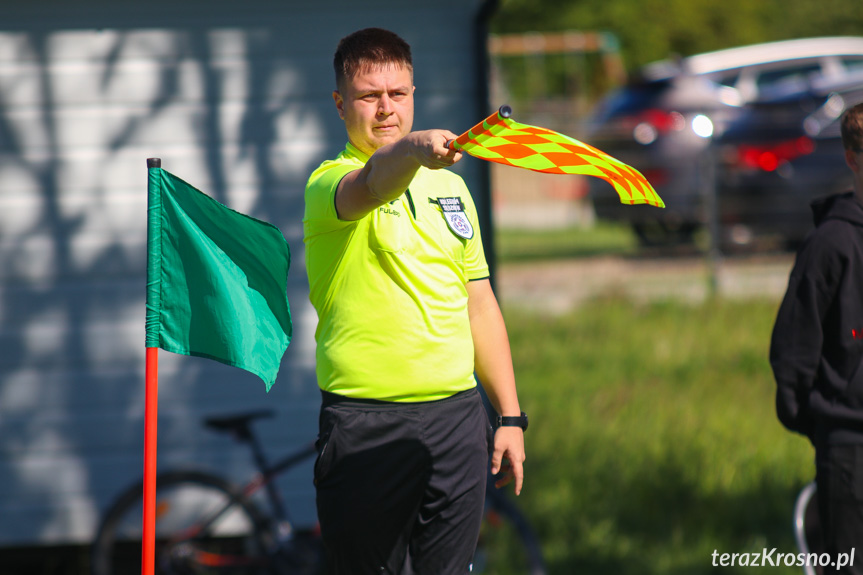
point(235, 99)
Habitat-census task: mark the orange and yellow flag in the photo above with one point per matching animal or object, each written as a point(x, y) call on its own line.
point(505, 141)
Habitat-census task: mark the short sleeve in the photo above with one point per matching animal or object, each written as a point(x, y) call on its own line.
point(476, 266)
point(320, 208)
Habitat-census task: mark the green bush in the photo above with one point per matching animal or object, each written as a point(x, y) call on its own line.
point(653, 438)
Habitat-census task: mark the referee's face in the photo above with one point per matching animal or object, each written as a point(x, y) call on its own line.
point(377, 105)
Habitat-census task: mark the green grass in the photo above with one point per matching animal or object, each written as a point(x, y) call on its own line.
point(513, 245)
point(653, 439)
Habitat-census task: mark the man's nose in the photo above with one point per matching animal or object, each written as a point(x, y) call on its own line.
point(385, 105)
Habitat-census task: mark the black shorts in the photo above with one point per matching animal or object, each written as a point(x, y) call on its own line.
point(402, 483)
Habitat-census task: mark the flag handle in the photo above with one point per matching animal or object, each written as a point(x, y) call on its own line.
point(502, 113)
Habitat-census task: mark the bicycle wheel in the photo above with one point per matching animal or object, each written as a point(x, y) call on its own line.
point(203, 525)
point(507, 543)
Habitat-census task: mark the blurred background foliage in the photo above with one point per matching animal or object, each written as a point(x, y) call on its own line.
point(650, 30)
point(653, 440)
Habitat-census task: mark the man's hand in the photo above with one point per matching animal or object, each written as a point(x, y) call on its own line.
point(509, 446)
point(429, 148)
point(390, 170)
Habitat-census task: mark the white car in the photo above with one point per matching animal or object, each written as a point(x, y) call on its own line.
point(662, 122)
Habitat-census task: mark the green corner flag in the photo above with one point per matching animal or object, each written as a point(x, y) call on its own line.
point(216, 280)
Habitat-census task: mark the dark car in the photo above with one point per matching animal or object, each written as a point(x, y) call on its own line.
point(653, 126)
point(782, 152)
point(664, 121)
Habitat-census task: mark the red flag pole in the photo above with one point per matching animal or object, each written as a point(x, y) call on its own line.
point(148, 541)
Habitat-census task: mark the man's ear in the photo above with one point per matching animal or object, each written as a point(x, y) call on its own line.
point(340, 104)
point(852, 162)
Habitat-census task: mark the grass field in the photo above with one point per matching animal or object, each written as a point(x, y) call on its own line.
point(514, 245)
point(653, 439)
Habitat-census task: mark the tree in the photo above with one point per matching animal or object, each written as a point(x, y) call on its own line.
point(650, 30)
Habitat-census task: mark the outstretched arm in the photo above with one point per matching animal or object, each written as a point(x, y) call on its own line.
point(389, 172)
point(493, 364)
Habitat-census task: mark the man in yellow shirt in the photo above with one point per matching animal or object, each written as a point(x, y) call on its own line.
point(406, 317)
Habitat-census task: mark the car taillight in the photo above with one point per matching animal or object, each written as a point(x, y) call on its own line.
point(769, 157)
point(663, 120)
point(647, 125)
point(656, 176)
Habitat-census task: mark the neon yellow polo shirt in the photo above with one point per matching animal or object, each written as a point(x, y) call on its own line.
point(390, 288)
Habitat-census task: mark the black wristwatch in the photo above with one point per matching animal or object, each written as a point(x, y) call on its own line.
point(519, 421)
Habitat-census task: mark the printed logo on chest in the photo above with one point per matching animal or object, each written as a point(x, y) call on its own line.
point(389, 211)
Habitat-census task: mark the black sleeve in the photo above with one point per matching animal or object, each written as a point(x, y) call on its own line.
point(798, 335)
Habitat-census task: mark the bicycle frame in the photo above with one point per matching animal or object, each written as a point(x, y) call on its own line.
point(263, 479)
point(266, 474)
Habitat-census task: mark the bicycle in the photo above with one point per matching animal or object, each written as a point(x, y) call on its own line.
point(206, 524)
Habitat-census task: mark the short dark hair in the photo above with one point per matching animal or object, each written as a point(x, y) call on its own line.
point(368, 48)
point(852, 128)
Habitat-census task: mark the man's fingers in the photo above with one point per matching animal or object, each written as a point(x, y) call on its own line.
point(496, 459)
point(511, 472)
point(518, 472)
point(438, 153)
point(505, 473)
point(508, 457)
point(446, 157)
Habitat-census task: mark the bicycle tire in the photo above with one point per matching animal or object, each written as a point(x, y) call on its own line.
point(184, 499)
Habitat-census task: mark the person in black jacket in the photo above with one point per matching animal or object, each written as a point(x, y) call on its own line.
point(816, 353)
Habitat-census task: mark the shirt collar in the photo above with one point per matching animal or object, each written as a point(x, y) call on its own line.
point(353, 152)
